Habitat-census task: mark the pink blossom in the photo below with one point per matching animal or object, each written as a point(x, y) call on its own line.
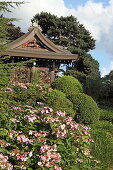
point(46, 110)
point(40, 103)
point(29, 107)
point(4, 163)
point(23, 139)
point(22, 85)
point(31, 118)
point(14, 120)
point(17, 108)
point(41, 133)
point(57, 168)
point(25, 156)
point(45, 148)
point(33, 111)
point(61, 134)
point(4, 144)
point(55, 157)
point(62, 127)
point(8, 89)
point(80, 160)
point(60, 113)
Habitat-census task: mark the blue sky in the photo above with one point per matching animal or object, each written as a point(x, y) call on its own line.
point(99, 54)
point(95, 15)
point(75, 3)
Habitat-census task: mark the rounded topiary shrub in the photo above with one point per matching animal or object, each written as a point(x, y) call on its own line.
point(86, 108)
point(67, 84)
point(58, 101)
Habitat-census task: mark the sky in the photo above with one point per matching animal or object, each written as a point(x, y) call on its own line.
point(95, 15)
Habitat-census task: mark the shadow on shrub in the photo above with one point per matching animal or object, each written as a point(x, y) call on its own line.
point(86, 108)
point(106, 115)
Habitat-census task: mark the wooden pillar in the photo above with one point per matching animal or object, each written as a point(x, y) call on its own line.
point(33, 70)
point(52, 73)
point(52, 76)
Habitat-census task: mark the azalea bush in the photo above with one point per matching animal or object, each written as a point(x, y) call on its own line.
point(40, 138)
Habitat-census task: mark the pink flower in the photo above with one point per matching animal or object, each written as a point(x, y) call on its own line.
point(23, 139)
point(31, 118)
point(60, 113)
point(8, 89)
point(17, 108)
point(46, 110)
point(62, 127)
point(4, 144)
point(57, 168)
point(29, 107)
point(80, 160)
point(22, 85)
point(40, 103)
point(14, 120)
point(25, 156)
point(4, 163)
point(45, 148)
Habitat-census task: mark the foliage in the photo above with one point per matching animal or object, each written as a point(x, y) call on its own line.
point(5, 5)
point(88, 66)
point(103, 126)
point(67, 84)
point(69, 33)
point(28, 93)
point(58, 101)
point(102, 148)
point(91, 84)
point(4, 22)
point(106, 114)
point(38, 138)
point(65, 30)
point(86, 108)
point(14, 32)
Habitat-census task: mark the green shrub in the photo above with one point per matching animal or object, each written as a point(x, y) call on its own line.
point(106, 115)
point(28, 94)
point(103, 125)
point(67, 84)
point(102, 148)
point(58, 101)
point(86, 108)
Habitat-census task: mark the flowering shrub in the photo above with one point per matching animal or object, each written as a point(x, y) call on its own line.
point(39, 138)
point(26, 92)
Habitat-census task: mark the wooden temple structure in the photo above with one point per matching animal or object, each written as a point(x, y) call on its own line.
point(34, 45)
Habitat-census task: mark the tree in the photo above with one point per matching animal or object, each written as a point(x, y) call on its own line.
point(68, 32)
point(4, 22)
point(14, 32)
point(65, 31)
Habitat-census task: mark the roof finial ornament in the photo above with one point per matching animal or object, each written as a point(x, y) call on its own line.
point(35, 24)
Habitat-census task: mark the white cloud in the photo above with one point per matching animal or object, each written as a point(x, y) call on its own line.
point(106, 70)
point(96, 17)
